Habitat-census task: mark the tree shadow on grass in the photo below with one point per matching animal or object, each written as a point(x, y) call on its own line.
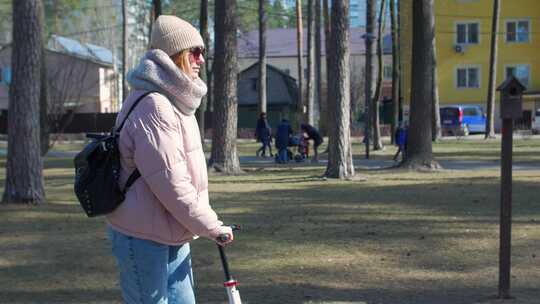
point(314, 293)
point(62, 296)
point(389, 236)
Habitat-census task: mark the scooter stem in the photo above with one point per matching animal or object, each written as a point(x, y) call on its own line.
point(224, 263)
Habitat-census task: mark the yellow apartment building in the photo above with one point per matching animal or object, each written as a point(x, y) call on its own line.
point(463, 37)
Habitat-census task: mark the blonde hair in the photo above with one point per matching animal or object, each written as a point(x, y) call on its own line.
point(181, 60)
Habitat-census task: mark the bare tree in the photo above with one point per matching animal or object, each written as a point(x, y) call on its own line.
point(299, 38)
point(24, 179)
point(419, 145)
point(67, 83)
point(396, 72)
point(224, 157)
point(490, 121)
point(310, 87)
point(377, 140)
point(262, 56)
point(371, 11)
point(340, 162)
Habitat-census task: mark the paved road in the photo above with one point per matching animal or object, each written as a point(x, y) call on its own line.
point(364, 163)
point(380, 164)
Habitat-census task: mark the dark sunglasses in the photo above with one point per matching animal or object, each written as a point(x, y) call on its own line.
point(197, 52)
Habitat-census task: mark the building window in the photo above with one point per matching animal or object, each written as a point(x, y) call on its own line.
point(467, 33)
point(520, 71)
point(387, 72)
point(517, 31)
point(468, 78)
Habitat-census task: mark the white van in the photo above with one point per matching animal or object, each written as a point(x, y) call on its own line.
point(536, 122)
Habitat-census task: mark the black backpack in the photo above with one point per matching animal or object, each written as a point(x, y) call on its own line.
point(97, 172)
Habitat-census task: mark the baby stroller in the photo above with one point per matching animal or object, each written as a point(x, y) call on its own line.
point(302, 148)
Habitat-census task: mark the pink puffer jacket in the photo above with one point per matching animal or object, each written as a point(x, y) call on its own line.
point(169, 203)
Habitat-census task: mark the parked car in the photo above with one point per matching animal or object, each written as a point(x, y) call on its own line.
point(536, 122)
point(462, 119)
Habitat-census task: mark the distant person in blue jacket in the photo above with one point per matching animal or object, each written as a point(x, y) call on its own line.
point(400, 139)
point(263, 132)
point(283, 135)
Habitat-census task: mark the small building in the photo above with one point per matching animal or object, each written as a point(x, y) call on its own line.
point(282, 96)
point(81, 77)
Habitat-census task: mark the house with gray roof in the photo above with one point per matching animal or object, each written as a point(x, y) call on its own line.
point(281, 98)
point(81, 77)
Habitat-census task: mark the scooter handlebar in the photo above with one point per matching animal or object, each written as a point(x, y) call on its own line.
point(225, 237)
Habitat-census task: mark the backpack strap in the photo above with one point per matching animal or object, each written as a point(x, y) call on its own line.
point(135, 174)
point(132, 178)
point(131, 110)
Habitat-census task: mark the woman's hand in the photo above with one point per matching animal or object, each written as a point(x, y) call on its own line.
point(223, 235)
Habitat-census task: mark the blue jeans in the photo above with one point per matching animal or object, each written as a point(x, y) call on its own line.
point(265, 144)
point(151, 272)
point(283, 156)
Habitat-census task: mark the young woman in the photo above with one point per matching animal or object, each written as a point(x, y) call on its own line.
point(168, 206)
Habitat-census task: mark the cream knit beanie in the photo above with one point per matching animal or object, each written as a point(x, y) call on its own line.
point(172, 35)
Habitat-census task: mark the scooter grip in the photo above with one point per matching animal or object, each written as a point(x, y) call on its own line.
point(225, 237)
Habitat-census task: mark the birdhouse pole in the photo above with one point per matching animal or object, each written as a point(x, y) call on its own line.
point(510, 109)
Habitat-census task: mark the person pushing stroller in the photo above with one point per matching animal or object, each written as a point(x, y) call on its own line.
point(283, 136)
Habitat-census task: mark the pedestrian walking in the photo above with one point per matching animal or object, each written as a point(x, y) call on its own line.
point(263, 133)
point(168, 206)
point(400, 139)
point(283, 138)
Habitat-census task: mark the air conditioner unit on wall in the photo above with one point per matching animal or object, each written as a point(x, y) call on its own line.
point(459, 48)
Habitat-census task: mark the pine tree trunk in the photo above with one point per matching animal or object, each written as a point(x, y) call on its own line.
point(419, 145)
point(340, 162)
point(490, 109)
point(436, 116)
point(299, 41)
point(209, 106)
point(310, 88)
point(395, 70)
point(377, 140)
point(125, 85)
point(201, 111)
point(318, 61)
point(224, 156)
point(328, 100)
point(24, 180)
point(371, 11)
point(262, 56)
point(44, 104)
point(400, 64)
point(157, 8)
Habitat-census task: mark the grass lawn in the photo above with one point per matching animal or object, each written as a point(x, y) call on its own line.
point(397, 237)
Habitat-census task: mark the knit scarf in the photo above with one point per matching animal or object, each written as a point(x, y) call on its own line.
point(157, 72)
